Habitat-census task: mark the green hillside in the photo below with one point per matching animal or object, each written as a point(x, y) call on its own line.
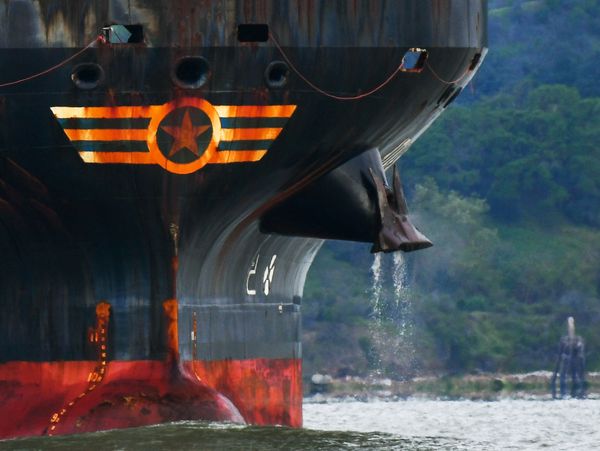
point(507, 185)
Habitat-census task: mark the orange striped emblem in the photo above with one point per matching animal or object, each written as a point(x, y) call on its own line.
point(181, 136)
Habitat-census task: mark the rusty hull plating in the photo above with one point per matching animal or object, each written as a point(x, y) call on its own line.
point(165, 187)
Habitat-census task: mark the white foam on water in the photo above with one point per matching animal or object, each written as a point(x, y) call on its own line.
point(499, 425)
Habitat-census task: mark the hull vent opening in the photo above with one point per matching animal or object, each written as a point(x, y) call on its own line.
point(414, 60)
point(277, 74)
point(123, 34)
point(191, 72)
point(87, 75)
point(253, 32)
point(452, 97)
point(475, 61)
point(446, 94)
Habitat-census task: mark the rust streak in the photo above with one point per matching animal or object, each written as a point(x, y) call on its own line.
point(170, 309)
point(97, 374)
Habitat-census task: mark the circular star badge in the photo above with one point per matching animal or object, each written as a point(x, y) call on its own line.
point(184, 134)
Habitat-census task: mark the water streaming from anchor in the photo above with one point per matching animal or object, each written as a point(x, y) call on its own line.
point(403, 303)
point(376, 326)
point(391, 326)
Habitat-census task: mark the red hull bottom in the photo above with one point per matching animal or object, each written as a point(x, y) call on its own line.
point(55, 398)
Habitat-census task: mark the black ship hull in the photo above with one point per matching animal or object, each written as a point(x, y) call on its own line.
point(161, 201)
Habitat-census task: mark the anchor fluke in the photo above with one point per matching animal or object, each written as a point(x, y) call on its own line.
point(397, 232)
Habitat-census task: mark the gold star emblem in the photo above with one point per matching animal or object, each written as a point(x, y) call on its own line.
point(185, 135)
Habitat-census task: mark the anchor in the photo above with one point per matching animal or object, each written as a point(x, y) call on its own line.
point(397, 232)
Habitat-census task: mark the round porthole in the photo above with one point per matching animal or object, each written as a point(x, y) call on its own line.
point(191, 72)
point(87, 75)
point(277, 74)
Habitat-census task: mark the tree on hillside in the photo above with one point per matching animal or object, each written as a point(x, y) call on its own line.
point(536, 156)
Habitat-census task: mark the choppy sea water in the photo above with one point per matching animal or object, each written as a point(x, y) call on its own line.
point(399, 425)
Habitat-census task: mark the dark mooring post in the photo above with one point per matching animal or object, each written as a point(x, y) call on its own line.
point(570, 360)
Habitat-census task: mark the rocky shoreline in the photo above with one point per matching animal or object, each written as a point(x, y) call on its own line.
point(483, 387)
